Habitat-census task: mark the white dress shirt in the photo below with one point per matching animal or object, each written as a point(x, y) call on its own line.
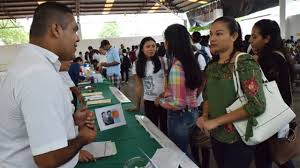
point(36, 116)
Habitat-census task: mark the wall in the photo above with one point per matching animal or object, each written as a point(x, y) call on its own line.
point(293, 26)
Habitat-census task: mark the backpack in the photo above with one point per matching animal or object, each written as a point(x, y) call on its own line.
point(126, 63)
point(203, 53)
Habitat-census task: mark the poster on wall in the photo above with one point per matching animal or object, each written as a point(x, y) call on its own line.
point(109, 117)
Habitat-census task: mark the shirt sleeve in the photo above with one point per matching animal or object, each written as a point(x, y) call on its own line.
point(40, 98)
point(175, 99)
point(252, 86)
point(201, 62)
point(67, 79)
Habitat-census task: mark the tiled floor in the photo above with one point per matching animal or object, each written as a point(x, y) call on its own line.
point(128, 90)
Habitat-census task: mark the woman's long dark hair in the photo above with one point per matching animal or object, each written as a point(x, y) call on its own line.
point(233, 27)
point(270, 29)
point(142, 60)
point(179, 46)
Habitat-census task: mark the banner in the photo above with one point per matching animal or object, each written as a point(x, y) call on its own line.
point(238, 8)
point(205, 15)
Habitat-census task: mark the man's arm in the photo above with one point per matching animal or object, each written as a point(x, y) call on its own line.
point(61, 156)
point(76, 91)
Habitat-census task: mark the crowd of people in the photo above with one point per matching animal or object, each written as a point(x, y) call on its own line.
point(185, 84)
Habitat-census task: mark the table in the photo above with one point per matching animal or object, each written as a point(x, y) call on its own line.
point(131, 137)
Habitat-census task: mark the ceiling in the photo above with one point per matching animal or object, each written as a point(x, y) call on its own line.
point(12, 9)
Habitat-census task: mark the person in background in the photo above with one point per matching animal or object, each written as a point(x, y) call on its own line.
point(148, 72)
point(37, 128)
point(121, 49)
point(132, 54)
point(266, 41)
point(113, 63)
point(202, 49)
point(91, 53)
point(102, 58)
point(80, 55)
point(228, 148)
point(74, 72)
point(125, 65)
point(246, 43)
point(86, 56)
point(183, 82)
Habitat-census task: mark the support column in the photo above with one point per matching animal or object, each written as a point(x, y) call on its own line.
point(282, 18)
point(78, 21)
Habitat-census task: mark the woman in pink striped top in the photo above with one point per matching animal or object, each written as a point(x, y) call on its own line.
point(183, 82)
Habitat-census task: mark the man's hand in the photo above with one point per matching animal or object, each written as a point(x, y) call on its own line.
point(81, 100)
point(85, 156)
point(87, 135)
point(84, 117)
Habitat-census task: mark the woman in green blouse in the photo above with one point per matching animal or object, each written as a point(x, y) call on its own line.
point(228, 148)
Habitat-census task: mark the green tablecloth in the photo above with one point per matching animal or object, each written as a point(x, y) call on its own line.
point(128, 138)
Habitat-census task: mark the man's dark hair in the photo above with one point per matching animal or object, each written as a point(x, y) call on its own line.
point(90, 47)
point(196, 37)
point(104, 43)
point(78, 59)
point(46, 14)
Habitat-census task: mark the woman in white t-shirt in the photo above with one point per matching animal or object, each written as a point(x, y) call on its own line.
point(149, 74)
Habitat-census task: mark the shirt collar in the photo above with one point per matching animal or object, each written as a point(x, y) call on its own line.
point(53, 58)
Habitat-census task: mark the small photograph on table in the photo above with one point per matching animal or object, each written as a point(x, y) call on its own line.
point(110, 117)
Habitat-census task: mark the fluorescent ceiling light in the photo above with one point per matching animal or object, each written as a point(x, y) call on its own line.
point(154, 8)
point(200, 2)
point(107, 7)
point(41, 2)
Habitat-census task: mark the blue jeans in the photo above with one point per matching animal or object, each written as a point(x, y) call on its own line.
point(180, 126)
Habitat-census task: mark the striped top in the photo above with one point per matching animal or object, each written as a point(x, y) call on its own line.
point(177, 96)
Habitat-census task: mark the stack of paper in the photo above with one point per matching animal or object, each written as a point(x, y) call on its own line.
point(119, 95)
point(101, 149)
point(96, 97)
point(94, 102)
point(165, 158)
point(84, 83)
point(92, 94)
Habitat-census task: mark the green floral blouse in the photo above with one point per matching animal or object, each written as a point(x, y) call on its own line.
point(220, 93)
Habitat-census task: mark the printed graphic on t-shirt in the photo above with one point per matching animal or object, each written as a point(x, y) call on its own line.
point(149, 86)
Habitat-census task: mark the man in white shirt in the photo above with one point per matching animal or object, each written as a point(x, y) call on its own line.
point(196, 38)
point(37, 121)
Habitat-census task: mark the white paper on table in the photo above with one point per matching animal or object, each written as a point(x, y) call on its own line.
point(166, 158)
point(95, 97)
point(119, 95)
point(101, 149)
point(91, 94)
